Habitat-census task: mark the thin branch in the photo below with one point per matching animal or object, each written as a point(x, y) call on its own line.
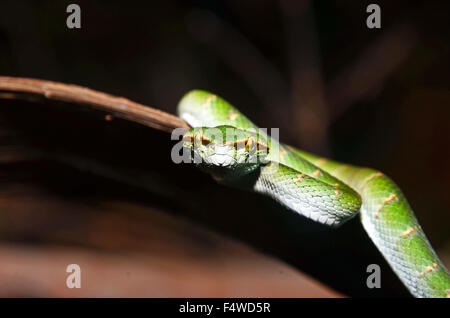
point(15, 87)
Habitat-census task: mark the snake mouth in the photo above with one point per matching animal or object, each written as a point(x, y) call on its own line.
point(221, 160)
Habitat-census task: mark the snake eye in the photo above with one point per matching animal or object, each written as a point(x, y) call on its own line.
point(199, 139)
point(251, 144)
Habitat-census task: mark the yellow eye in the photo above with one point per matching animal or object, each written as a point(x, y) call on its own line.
point(251, 144)
point(197, 138)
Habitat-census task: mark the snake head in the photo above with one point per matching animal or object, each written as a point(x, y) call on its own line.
point(226, 151)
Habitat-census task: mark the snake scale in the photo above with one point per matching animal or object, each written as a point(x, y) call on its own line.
point(226, 144)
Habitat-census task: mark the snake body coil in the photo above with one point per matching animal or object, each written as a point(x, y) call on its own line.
point(318, 188)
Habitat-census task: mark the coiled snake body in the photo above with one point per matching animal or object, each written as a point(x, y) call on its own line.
point(318, 188)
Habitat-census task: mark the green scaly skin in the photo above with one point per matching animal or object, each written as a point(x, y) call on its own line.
point(323, 190)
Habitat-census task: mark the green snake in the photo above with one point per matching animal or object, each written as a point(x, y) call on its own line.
point(226, 144)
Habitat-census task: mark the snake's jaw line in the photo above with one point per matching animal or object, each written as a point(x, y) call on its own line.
point(225, 151)
point(321, 189)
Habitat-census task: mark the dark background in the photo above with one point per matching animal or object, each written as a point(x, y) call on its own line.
point(370, 97)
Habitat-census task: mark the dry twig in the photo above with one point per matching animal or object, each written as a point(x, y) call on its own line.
point(117, 106)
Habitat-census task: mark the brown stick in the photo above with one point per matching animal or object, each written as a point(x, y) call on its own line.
point(117, 106)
